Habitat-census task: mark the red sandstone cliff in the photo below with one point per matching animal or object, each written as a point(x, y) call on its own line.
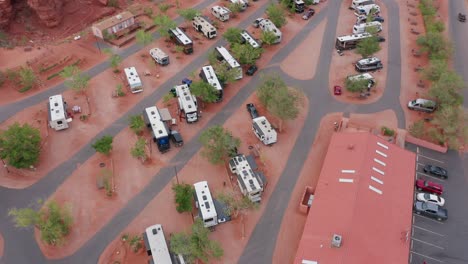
point(6, 12)
point(49, 11)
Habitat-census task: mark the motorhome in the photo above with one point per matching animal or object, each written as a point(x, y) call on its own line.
point(181, 39)
point(134, 81)
point(204, 203)
point(359, 3)
point(366, 9)
point(298, 5)
point(267, 25)
point(365, 76)
point(366, 27)
point(220, 12)
point(58, 118)
point(187, 103)
point(202, 25)
point(250, 183)
point(242, 3)
point(156, 245)
point(159, 56)
point(422, 105)
point(223, 55)
point(158, 128)
point(350, 41)
point(263, 130)
point(368, 64)
point(247, 38)
point(208, 75)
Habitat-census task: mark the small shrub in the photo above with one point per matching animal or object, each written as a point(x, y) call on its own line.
point(119, 90)
point(417, 129)
point(135, 243)
point(83, 117)
point(148, 11)
point(113, 3)
point(164, 7)
point(2, 78)
point(108, 186)
point(25, 88)
point(53, 75)
point(388, 132)
point(48, 68)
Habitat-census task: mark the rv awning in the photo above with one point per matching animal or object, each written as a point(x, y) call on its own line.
point(165, 114)
point(261, 178)
point(252, 163)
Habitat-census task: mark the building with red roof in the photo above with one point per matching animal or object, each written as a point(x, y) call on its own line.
point(362, 209)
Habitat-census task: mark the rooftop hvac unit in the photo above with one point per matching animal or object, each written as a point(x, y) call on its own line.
point(119, 17)
point(336, 241)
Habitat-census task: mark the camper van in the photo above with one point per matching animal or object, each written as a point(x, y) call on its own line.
point(366, 9)
point(134, 81)
point(263, 130)
point(58, 118)
point(359, 3)
point(181, 39)
point(422, 105)
point(350, 41)
point(365, 27)
point(242, 3)
point(368, 64)
point(159, 56)
point(204, 203)
point(220, 12)
point(202, 25)
point(298, 5)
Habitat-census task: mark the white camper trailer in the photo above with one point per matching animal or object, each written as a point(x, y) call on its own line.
point(359, 3)
point(205, 205)
point(350, 41)
point(231, 63)
point(250, 183)
point(264, 131)
point(246, 37)
point(366, 9)
point(220, 12)
point(158, 128)
point(242, 3)
point(202, 25)
point(207, 74)
point(181, 39)
point(187, 103)
point(267, 25)
point(159, 56)
point(133, 80)
point(156, 245)
point(365, 27)
point(58, 119)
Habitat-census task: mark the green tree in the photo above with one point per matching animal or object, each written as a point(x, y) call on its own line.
point(235, 9)
point(139, 150)
point(163, 7)
point(188, 14)
point(451, 123)
point(204, 91)
point(164, 23)
point(137, 124)
point(368, 46)
point(268, 37)
point(225, 75)
point(52, 220)
point(114, 59)
point(143, 38)
point(103, 145)
point(356, 86)
point(233, 35)
point(276, 14)
point(183, 197)
point(75, 79)
point(435, 44)
point(27, 78)
point(196, 245)
point(218, 144)
point(246, 54)
point(236, 203)
point(435, 70)
point(20, 145)
point(447, 90)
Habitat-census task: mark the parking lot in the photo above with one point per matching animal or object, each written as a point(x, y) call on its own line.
point(435, 241)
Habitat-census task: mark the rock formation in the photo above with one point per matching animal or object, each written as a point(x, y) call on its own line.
point(6, 12)
point(48, 11)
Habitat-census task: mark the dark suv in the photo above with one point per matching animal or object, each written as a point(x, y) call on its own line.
point(252, 110)
point(176, 138)
point(428, 186)
point(251, 70)
point(430, 210)
point(436, 171)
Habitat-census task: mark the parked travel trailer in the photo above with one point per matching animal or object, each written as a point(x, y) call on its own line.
point(200, 24)
point(242, 3)
point(368, 64)
point(366, 9)
point(365, 27)
point(159, 56)
point(133, 80)
point(350, 41)
point(156, 245)
point(267, 25)
point(359, 3)
point(299, 5)
point(264, 131)
point(363, 76)
point(181, 39)
point(247, 38)
point(158, 128)
point(223, 55)
point(58, 118)
point(208, 75)
point(250, 183)
point(187, 103)
point(205, 205)
point(220, 12)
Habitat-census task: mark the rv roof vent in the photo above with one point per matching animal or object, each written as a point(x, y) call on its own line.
point(204, 197)
point(336, 241)
point(155, 231)
point(160, 131)
point(119, 17)
point(152, 112)
point(56, 104)
point(57, 111)
point(351, 146)
point(207, 205)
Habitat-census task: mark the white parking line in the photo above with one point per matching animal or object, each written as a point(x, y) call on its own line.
point(427, 243)
point(411, 257)
point(420, 164)
point(429, 158)
point(427, 230)
point(438, 260)
point(417, 151)
point(427, 175)
point(435, 221)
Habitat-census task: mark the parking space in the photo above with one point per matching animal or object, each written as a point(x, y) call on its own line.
point(434, 241)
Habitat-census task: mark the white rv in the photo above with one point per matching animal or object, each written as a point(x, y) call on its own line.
point(366, 9)
point(364, 27)
point(267, 25)
point(205, 205)
point(187, 103)
point(231, 63)
point(247, 38)
point(58, 118)
point(133, 80)
point(159, 56)
point(359, 3)
point(156, 245)
point(264, 131)
point(242, 3)
point(220, 12)
point(350, 41)
point(158, 128)
point(208, 75)
point(200, 24)
point(181, 39)
point(250, 183)
point(364, 76)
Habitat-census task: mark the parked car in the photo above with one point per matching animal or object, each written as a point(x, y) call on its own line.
point(337, 90)
point(428, 186)
point(378, 19)
point(176, 138)
point(430, 198)
point(422, 105)
point(252, 110)
point(257, 22)
point(187, 81)
point(436, 171)
point(430, 210)
point(251, 70)
point(308, 14)
point(380, 39)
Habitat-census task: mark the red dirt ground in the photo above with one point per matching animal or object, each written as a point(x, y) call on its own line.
point(293, 221)
point(342, 66)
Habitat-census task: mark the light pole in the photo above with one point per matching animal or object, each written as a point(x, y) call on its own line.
point(176, 176)
point(5, 165)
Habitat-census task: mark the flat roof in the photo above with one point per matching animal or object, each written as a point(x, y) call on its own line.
point(114, 20)
point(205, 201)
point(211, 77)
point(186, 99)
point(365, 195)
point(56, 108)
point(155, 240)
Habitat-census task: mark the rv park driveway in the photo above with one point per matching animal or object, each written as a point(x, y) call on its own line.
point(20, 246)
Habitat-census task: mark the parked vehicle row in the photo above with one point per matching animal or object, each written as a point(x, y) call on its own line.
point(429, 201)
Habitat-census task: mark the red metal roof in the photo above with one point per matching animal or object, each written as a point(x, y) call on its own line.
point(372, 213)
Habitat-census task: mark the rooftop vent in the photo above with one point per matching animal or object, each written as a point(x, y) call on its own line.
point(118, 17)
point(336, 241)
point(155, 231)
